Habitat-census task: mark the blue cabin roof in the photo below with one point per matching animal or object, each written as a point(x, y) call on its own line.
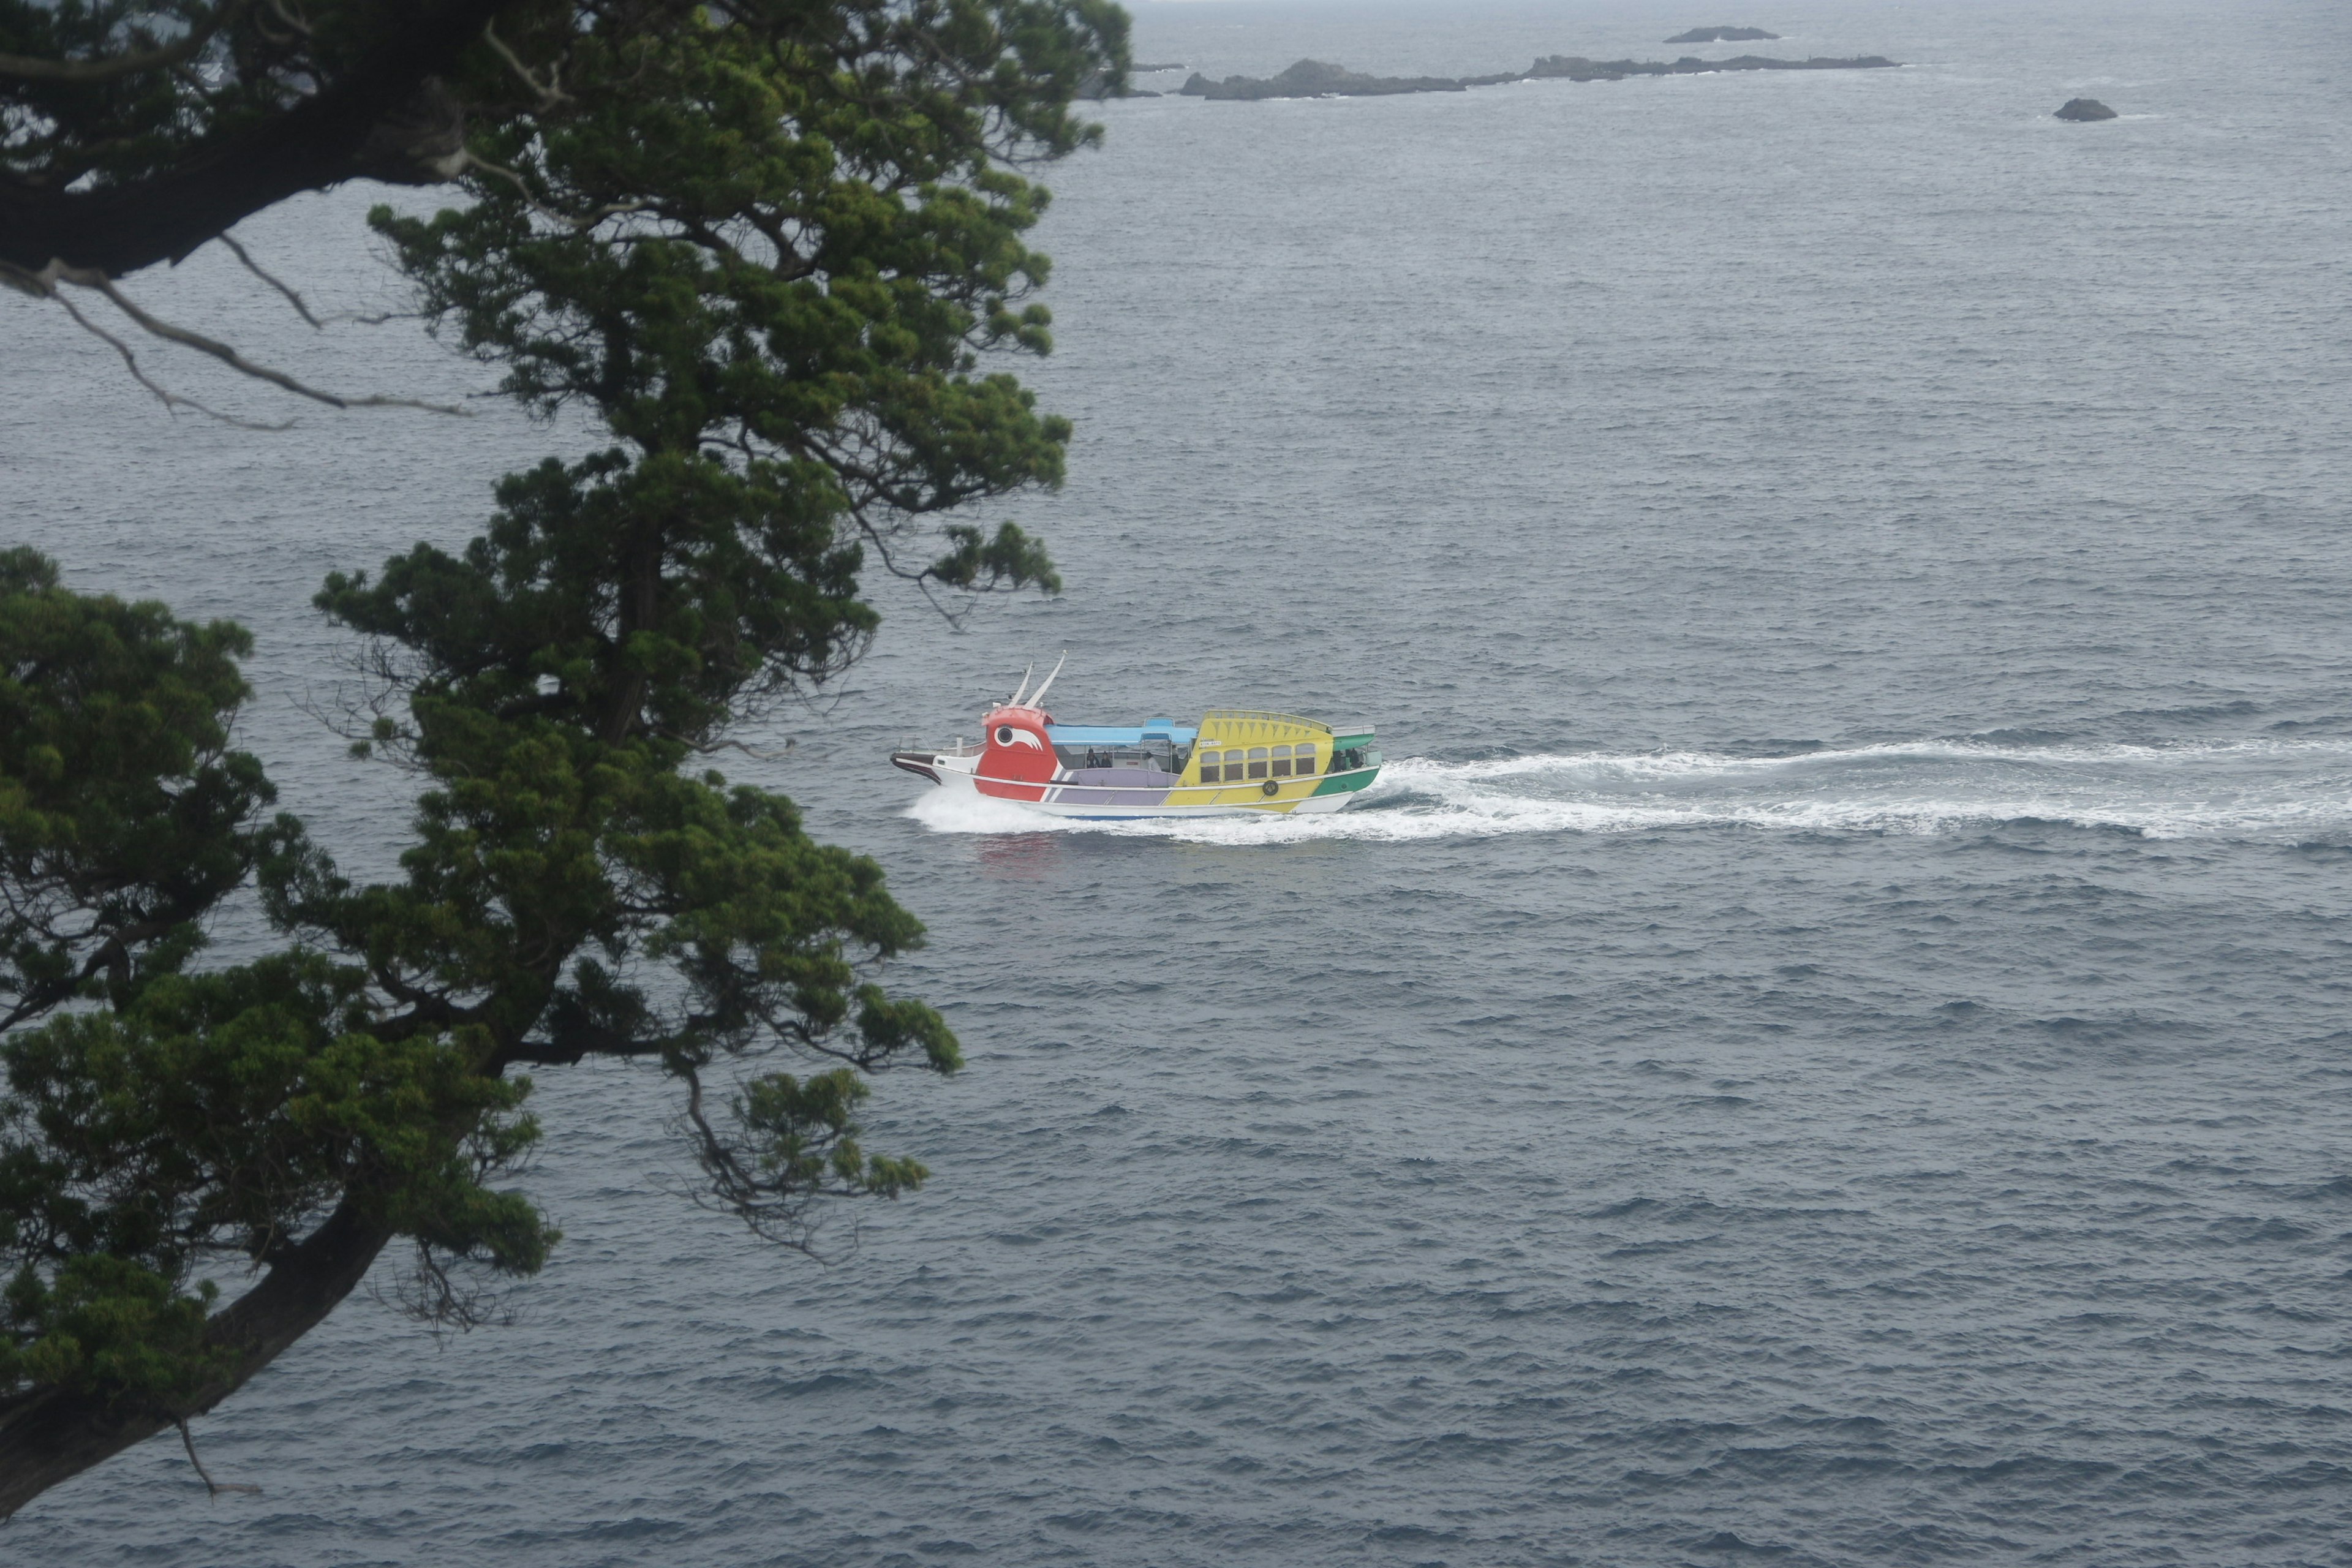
point(1121, 734)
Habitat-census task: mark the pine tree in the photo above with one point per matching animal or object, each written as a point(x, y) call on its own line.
point(768, 247)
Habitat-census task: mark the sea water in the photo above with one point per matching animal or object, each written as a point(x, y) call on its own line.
point(1828, 1041)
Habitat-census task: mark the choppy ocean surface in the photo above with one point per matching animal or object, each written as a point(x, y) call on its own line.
point(1828, 1045)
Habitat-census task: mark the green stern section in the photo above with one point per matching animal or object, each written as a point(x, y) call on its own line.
point(1355, 763)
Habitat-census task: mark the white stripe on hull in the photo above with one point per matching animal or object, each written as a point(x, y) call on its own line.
point(1132, 813)
point(958, 773)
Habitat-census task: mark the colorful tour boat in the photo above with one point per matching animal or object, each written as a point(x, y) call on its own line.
point(1236, 761)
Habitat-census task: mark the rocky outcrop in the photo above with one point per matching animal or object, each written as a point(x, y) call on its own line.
point(2084, 108)
point(1576, 68)
point(1098, 83)
point(1723, 36)
point(1314, 79)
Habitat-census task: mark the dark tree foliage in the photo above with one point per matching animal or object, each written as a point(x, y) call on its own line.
point(768, 247)
point(124, 815)
point(132, 132)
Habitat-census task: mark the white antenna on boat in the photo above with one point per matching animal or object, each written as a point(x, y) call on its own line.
point(1039, 699)
point(1015, 702)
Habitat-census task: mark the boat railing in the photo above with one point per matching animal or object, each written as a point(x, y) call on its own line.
point(1262, 716)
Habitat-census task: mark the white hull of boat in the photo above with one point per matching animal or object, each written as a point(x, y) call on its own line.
point(959, 773)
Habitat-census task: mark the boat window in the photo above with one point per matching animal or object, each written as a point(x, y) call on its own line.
point(1305, 761)
point(1281, 762)
point(1210, 772)
point(1256, 764)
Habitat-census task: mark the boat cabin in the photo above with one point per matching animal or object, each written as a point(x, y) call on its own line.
point(1161, 745)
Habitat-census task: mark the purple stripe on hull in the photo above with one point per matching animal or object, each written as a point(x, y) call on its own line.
point(1134, 789)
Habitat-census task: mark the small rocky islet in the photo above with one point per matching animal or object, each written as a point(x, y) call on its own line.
point(1319, 79)
point(1315, 79)
point(2085, 110)
point(1098, 85)
point(1723, 36)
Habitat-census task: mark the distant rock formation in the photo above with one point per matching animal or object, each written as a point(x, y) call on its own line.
point(1576, 68)
point(1722, 35)
point(2085, 109)
point(1098, 83)
point(1314, 79)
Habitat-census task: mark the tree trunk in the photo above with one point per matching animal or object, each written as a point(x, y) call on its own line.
point(639, 607)
point(54, 1437)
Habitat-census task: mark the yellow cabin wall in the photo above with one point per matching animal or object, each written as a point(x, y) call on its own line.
point(1242, 728)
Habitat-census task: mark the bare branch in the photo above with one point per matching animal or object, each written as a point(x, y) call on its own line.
point(468, 159)
point(235, 360)
point(956, 617)
point(171, 400)
point(441, 1301)
point(44, 285)
point(291, 20)
point(729, 1186)
point(211, 1487)
point(271, 279)
point(37, 284)
point(549, 92)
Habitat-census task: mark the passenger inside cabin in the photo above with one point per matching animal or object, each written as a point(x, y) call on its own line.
point(1154, 754)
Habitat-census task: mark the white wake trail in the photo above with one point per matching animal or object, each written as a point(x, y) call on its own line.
point(2292, 790)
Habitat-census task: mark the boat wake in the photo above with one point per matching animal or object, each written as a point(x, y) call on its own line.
point(2288, 791)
